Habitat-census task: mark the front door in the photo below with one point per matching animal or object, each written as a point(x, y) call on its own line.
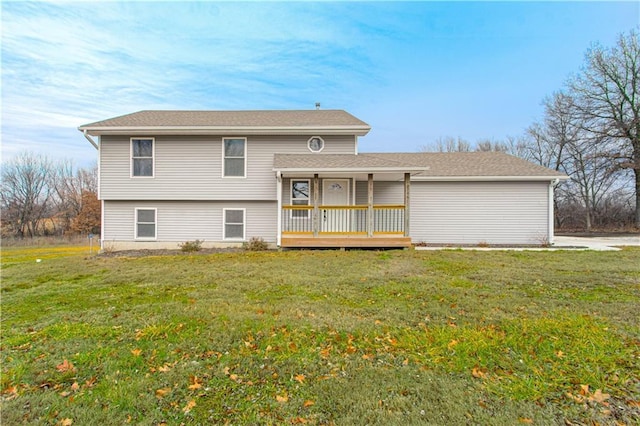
point(335, 192)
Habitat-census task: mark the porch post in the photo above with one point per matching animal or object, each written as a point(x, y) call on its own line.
point(370, 205)
point(407, 202)
point(316, 211)
point(279, 198)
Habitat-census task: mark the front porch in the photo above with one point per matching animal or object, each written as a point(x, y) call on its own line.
point(344, 226)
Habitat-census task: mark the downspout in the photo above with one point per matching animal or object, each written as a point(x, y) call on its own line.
point(279, 198)
point(551, 218)
point(91, 141)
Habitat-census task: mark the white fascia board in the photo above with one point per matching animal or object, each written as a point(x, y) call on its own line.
point(220, 130)
point(350, 170)
point(486, 178)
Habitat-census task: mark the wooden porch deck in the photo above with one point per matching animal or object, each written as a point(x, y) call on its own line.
point(346, 241)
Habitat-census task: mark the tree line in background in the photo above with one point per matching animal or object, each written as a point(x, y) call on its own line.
point(590, 132)
point(41, 197)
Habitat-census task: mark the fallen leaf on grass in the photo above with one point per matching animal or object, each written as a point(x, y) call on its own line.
point(164, 368)
point(189, 406)
point(299, 378)
point(66, 422)
point(577, 398)
point(478, 373)
point(299, 421)
point(525, 420)
point(598, 396)
point(65, 366)
point(452, 344)
point(195, 383)
point(136, 352)
point(11, 391)
point(308, 403)
point(160, 393)
point(282, 398)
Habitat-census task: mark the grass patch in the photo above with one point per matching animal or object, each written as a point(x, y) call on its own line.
point(320, 337)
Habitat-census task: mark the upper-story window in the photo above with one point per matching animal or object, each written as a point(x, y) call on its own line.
point(315, 144)
point(235, 158)
point(142, 150)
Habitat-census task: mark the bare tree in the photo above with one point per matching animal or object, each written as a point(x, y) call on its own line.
point(447, 144)
point(25, 192)
point(607, 95)
point(69, 187)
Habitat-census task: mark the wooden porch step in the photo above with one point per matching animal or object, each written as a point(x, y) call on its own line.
point(346, 242)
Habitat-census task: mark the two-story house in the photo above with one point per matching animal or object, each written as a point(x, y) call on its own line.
point(297, 179)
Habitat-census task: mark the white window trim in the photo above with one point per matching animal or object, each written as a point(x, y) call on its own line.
point(291, 197)
point(153, 157)
point(309, 144)
point(224, 223)
point(245, 157)
point(135, 224)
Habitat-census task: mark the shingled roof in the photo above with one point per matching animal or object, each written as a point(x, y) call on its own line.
point(423, 165)
point(337, 120)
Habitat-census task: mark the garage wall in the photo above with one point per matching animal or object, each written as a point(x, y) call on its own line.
point(479, 212)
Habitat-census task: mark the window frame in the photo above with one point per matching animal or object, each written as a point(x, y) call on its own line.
point(136, 223)
point(224, 157)
point(224, 224)
point(309, 144)
point(132, 158)
point(308, 199)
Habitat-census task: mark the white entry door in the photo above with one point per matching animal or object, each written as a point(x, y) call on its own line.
point(335, 192)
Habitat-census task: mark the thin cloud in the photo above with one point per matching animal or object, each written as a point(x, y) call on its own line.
point(412, 70)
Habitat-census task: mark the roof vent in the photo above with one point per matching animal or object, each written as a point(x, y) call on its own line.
point(317, 105)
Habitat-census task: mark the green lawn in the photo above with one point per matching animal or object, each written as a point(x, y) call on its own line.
point(321, 337)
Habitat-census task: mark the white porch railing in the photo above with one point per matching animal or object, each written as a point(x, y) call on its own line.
point(343, 220)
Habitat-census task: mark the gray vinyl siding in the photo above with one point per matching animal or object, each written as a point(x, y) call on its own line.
point(190, 167)
point(383, 192)
point(476, 212)
point(181, 221)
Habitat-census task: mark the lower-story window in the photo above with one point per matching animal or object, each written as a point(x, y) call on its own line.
point(146, 223)
point(233, 224)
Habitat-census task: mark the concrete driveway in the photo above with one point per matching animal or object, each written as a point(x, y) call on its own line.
point(602, 243)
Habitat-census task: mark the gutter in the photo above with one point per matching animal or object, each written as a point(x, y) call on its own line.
point(91, 141)
point(552, 219)
point(358, 130)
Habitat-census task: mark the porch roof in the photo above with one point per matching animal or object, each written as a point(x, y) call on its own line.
point(351, 163)
point(422, 166)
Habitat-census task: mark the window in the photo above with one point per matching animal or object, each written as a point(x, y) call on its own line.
point(234, 157)
point(233, 224)
point(300, 197)
point(315, 144)
point(146, 224)
point(142, 157)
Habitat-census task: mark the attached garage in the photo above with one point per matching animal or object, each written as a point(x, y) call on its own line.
point(480, 212)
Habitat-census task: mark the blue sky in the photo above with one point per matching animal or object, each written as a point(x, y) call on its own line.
point(414, 71)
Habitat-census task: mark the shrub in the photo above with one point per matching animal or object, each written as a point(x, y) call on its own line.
point(191, 246)
point(255, 244)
